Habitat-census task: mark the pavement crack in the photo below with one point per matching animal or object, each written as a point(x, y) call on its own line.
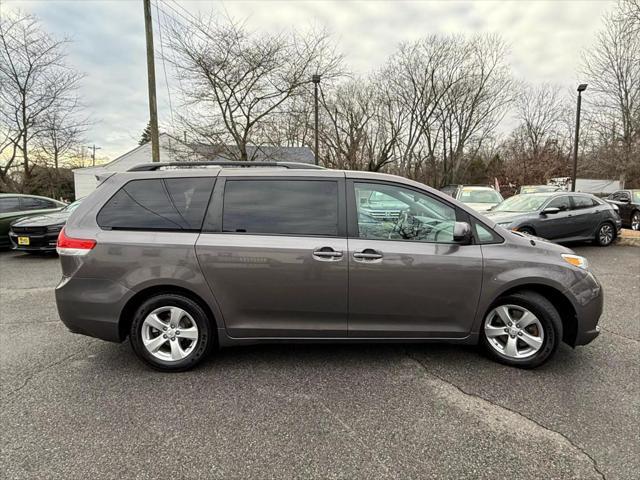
point(424, 368)
point(30, 377)
point(619, 335)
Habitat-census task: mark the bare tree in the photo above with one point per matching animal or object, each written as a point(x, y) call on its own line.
point(236, 80)
point(34, 79)
point(612, 69)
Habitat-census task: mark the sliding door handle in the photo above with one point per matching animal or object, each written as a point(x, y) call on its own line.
point(367, 254)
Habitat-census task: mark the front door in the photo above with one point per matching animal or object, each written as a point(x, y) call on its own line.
point(275, 256)
point(407, 277)
point(557, 225)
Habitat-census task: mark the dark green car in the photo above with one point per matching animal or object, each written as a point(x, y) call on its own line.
point(15, 205)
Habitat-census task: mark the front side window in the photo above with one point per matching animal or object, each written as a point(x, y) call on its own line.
point(560, 202)
point(281, 207)
point(404, 215)
point(157, 204)
point(9, 204)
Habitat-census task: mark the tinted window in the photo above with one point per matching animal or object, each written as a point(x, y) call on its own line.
point(486, 235)
point(33, 203)
point(560, 202)
point(170, 204)
point(287, 207)
point(9, 204)
point(583, 202)
point(405, 215)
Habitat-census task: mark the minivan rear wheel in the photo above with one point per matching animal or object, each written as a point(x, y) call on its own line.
point(522, 329)
point(171, 332)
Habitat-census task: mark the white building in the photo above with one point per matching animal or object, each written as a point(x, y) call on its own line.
point(171, 150)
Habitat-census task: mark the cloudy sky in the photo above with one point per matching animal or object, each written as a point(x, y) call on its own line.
point(546, 38)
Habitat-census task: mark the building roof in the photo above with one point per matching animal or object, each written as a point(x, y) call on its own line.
point(174, 150)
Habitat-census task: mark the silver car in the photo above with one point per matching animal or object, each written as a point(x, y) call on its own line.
point(182, 260)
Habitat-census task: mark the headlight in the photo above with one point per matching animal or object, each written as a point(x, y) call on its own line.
point(54, 228)
point(576, 260)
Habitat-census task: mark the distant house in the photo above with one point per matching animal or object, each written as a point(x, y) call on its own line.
point(172, 150)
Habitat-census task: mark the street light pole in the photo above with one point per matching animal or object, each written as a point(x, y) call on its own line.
point(316, 82)
point(581, 88)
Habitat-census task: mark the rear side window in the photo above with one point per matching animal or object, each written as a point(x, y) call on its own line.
point(283, 207)
point(9, 204)
point(583, 202)
point(33, 203)
point(158, 204)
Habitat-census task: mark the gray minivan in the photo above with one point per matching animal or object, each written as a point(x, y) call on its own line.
point(182, 259)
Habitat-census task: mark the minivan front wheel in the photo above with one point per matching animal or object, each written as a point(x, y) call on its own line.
point(170, 332)
point(522, 329)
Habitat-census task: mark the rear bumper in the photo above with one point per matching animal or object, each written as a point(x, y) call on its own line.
point(92, 306)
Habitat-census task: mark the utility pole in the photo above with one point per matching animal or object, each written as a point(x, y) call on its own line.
point(151, 76)
point(316, 81)
point(581, 88)
point(93, 154)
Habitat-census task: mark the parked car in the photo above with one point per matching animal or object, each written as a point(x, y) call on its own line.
point(628, 204)
point(40, 232)
point(537, 189)
point(184, 259)
point(560, 216)
point(14, 206)
point(480, 198)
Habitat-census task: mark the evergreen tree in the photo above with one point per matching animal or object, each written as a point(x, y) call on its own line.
point(146, 134)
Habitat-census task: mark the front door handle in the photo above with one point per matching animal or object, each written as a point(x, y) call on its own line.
point(367, 254)
point(326, 253)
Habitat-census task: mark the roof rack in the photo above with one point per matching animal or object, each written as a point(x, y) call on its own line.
point(149, 167)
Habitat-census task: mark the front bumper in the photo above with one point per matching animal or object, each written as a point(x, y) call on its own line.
point(589, 302)
point(37, 242)
point(92, 306)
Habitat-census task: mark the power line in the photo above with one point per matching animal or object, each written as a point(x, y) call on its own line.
point(164, 66)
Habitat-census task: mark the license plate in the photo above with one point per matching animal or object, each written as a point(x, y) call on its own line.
point(23, 241)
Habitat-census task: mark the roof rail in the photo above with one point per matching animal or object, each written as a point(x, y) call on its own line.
point(149, 167)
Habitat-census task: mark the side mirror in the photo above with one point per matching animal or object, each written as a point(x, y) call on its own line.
point(550, 211)
point(624, 200)
point(462, 233)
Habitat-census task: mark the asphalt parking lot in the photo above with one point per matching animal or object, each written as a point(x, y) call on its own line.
point(75, 407)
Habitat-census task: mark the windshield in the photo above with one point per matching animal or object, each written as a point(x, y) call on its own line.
point(538, 188)
point(522, 203)
point(72, 206)
point(469, 195)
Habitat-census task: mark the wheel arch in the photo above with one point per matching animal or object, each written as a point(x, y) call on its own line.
point(126, 315)
point(559, 300)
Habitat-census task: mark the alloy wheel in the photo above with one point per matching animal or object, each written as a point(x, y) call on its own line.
point(635, 221)
point(605, 235)
point(514, 331)
point(169, 333)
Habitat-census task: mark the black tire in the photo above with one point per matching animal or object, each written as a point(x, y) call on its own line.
point(204, 343)
point(527, 230)
point(635, 216)
point(549, 319)
point(605, 234)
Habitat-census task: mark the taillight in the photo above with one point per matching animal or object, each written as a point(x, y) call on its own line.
point(73, 246)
